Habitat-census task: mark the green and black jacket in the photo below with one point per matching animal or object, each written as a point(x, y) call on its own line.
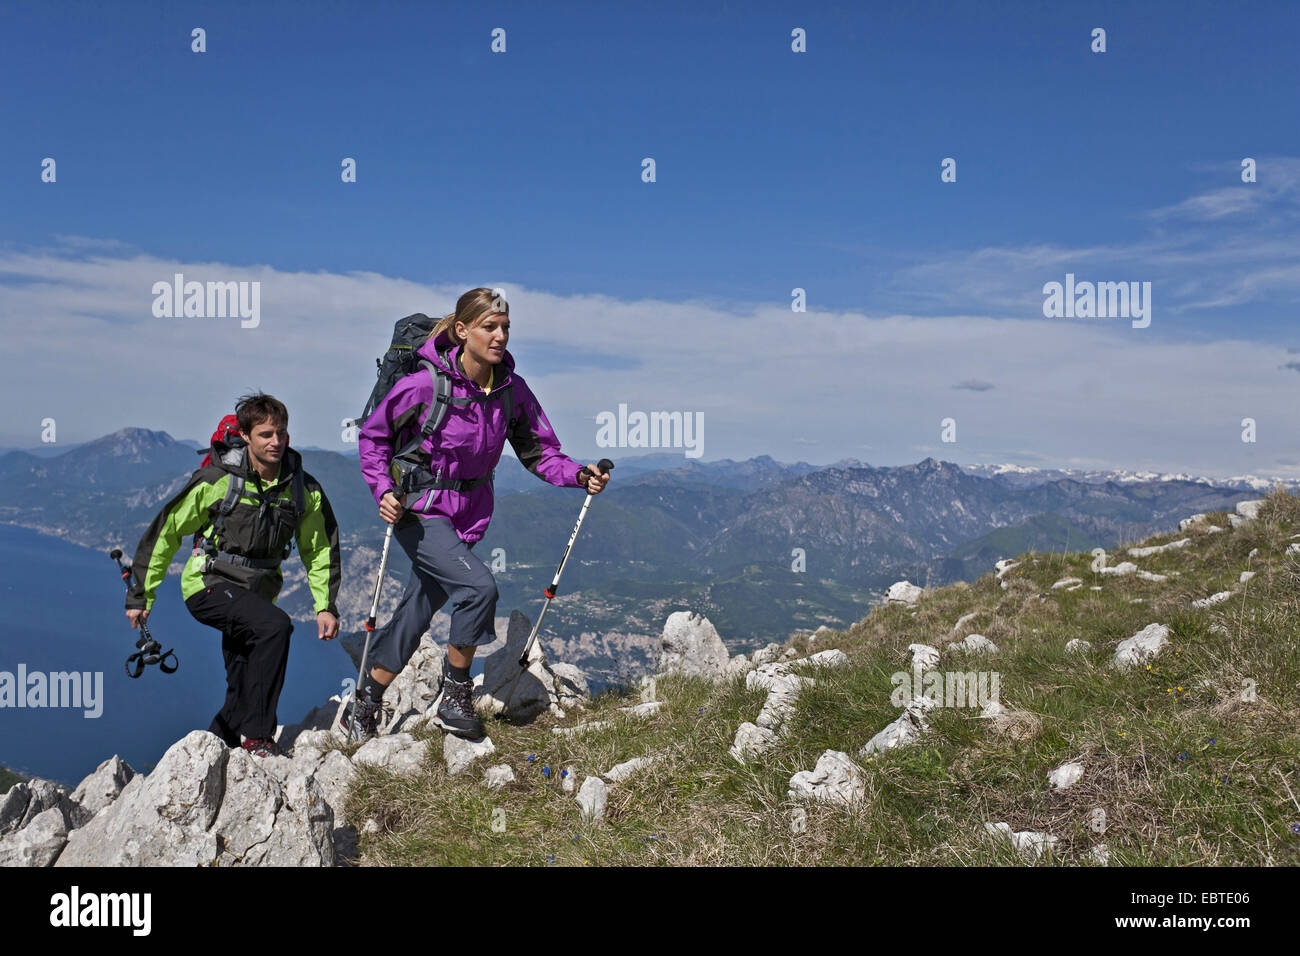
point(254, 530)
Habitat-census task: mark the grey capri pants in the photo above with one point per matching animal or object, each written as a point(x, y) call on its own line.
point(442, 566)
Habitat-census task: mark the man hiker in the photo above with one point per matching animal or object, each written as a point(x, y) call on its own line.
point(451, 499)
point(250, 504)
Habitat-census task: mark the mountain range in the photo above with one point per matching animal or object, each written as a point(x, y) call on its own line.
point(763, 547)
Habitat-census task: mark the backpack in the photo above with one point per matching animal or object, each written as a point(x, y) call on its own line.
point(227, 431)
point(410, 466)
point(227, 445)
point(231, 453)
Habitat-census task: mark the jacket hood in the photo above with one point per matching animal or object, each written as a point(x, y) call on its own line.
point(235, 460)
point(431, 350)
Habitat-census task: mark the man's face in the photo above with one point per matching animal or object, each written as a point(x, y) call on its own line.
point(267, 441)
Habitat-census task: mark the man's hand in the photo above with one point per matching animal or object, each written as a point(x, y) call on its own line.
point(327, 626)
point(596, 483)
point(137, 616)
point(390, 507)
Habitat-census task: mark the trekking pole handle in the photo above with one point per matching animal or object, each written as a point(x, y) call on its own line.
point(585, 475)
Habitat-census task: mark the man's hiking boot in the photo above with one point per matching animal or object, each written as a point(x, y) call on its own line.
point(262, 747)
point(456, 710)
point(367, 719)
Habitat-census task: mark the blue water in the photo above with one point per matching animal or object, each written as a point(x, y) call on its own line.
point(61, 607)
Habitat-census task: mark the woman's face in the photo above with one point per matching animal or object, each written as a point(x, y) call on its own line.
point(487, 340)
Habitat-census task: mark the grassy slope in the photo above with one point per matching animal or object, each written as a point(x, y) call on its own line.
point(7, 779)
point(1186, 770)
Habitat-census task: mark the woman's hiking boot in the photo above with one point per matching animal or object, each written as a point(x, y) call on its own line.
point(367, 719)
point(456, 709)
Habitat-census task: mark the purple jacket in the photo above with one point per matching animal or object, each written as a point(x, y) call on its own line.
point(468, 444)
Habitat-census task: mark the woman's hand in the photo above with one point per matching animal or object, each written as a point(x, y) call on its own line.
point(390, 506)
point(596, 482)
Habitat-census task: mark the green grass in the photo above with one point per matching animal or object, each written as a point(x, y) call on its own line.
point(1181, 767)
point(7, 779)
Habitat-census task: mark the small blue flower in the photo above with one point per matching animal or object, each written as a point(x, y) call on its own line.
point(701, 710)
point(546, 771)
point(1212, 739)
point(564, 773)
point(1183, 755)
point(531, 758)
point(550, 859)
point(575, 838)
point(1295, 828)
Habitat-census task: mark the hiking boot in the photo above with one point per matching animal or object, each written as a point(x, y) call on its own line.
point(262, 747)
point(367, 719)
point(456, 709)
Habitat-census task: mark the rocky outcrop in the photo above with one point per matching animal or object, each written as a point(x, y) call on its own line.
point(691, 646)
point(505, 687)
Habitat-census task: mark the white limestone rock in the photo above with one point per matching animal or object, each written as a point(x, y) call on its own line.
point(974, 644)
point(104, 785)
point(924, 656)
point(164, 819)
point(498, 776)
point(460, 753)
point(592, 799)
point(905, 730)
point(1212, 600)
point(1159, 548)
point(835, 779)
point(1142, 646)
point(583, 728)
point(1078, 646)
point(903, 592)
point(622, 771)
point(398, 753)
point(751, 741)
point(1065, 776)
point(1250, 509)
point(690, 645)
point(1028, 843)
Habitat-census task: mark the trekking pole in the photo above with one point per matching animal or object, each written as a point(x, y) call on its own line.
point(370, 622)
point(605, 466)
point(148, 651)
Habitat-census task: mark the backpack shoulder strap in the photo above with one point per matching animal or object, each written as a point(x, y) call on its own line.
point(233, 490)
point(508, 400)
point(437, 410)
point(299, 492)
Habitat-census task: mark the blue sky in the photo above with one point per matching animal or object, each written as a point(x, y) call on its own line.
point(775, 170)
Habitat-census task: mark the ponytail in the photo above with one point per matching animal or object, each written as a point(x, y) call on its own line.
point(471, 308)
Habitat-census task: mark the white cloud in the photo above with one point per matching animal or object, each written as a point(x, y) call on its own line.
point(82, 346)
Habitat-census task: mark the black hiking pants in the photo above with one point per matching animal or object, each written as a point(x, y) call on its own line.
point(255, 646)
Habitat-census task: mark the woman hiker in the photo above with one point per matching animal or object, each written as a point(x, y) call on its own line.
point(451, 500)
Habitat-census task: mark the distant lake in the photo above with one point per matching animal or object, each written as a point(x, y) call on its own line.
point(62, 610)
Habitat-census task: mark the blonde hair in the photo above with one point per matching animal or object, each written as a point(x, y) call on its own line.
point(472, 308)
